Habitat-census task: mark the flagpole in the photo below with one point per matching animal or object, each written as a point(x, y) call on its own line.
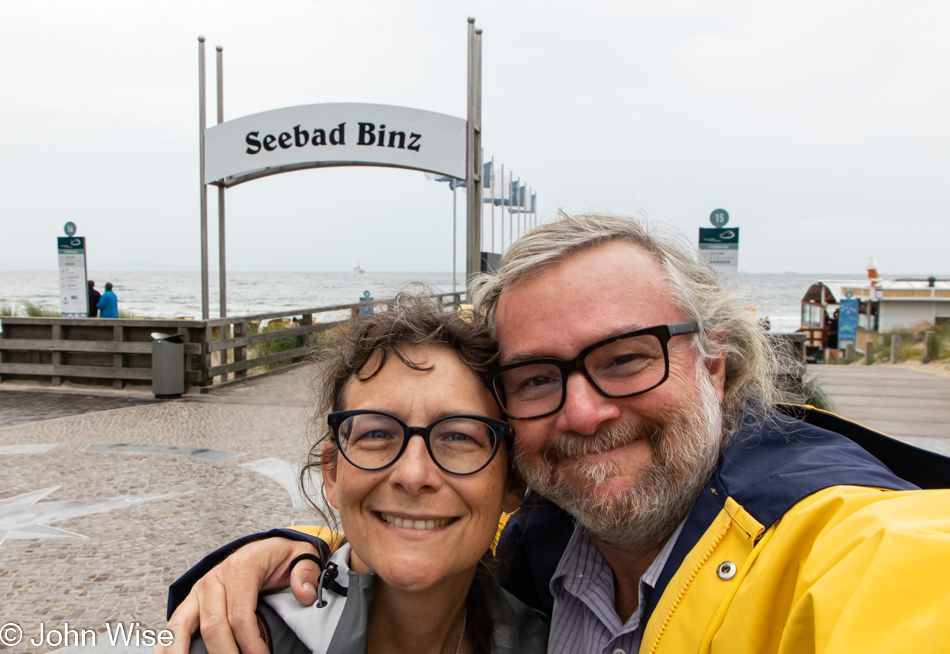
point(491, 181)
point(511, 215)
point(520, 199)
point(501, 230)
point(530, 217)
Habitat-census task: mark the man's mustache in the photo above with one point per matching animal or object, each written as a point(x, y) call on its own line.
point(605, 440)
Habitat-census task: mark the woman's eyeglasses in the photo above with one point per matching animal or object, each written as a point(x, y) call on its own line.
point(461, 445)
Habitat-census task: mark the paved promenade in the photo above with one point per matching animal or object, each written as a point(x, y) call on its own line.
point(101, 511)
point(105, 499)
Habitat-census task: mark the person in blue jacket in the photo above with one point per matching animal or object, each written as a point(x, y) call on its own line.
point(108, 304)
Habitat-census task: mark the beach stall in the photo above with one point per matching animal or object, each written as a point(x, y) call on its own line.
point(835, 312)
point(820, 315)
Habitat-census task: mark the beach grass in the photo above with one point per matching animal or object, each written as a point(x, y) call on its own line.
point(815, 395)
point(37, 310)
point(912, 342)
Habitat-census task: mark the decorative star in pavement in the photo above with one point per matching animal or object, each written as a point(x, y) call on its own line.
point(22, 518)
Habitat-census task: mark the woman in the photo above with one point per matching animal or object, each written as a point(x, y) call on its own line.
point(419, 514)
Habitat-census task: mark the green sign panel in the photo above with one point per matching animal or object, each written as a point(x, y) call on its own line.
point(69, 228)
point(720, 248)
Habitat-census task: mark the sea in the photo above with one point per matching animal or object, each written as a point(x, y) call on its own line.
point(776, 297)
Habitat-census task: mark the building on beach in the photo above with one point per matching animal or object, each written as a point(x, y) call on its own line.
point(883, 305)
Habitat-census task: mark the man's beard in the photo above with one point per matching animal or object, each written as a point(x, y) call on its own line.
point(639, 518)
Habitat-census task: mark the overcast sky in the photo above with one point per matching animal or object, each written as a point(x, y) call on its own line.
point(822, 126)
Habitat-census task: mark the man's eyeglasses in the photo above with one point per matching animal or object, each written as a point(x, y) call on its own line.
point(461, 445)
point(621, 366)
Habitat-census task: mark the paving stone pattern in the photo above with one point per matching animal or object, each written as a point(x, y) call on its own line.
point(18, 407)
point(117, 564)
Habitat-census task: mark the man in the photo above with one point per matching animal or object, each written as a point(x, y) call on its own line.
point(703, 519)
point(108, 304)
point(94, 296)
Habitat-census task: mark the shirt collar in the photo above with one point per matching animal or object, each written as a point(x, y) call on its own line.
point(583, 570)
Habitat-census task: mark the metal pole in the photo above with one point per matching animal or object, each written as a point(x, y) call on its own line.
point(479, 204)
point(205, 284)
point(534, 210)
point(454, 238)
point(531, 209)
point(527, 216)
point(473, 177)
point(469, 146)
point(491, 183)
point(527, 208)
point(222, 268)
point(519, 231)
point(501, 214)
point(511, 214)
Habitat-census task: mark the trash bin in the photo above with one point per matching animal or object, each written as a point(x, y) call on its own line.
point(168, 365)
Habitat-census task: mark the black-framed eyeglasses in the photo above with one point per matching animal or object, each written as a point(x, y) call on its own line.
point(620, 366)
point(373, 440)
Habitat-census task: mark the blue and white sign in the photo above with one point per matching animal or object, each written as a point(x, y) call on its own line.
point(73, 296)
point(848, 320)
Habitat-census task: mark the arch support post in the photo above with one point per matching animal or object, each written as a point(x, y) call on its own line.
point(205, 276)
point(473, 154)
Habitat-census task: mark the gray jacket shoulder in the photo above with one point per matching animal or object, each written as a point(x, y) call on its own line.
point(518, 628)
point(279, 637)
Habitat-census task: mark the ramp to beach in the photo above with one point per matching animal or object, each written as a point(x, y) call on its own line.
point(913, 405)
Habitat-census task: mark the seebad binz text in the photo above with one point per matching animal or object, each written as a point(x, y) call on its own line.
point(127, 634)
point(368, 134)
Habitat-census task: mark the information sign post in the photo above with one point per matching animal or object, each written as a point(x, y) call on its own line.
point(847, 321)
point(720, 249)
point(73, 295)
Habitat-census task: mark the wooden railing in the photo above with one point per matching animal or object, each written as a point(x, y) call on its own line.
point(119, 351)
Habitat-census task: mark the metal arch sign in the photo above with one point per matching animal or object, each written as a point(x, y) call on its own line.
point(334, 134)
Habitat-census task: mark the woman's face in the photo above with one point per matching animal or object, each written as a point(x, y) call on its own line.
point(447, 522)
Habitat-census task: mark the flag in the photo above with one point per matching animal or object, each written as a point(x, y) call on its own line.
point(502, 191)
point(461, 183)
point(453, 182)
point(520, 202)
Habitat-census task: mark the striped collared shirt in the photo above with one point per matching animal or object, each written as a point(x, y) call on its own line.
point(584, 619)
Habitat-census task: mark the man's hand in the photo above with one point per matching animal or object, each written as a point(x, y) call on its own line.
point(222, 604)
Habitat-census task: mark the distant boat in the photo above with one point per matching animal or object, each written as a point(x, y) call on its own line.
point(358, 270)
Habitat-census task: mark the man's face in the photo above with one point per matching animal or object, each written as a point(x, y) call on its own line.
point(611, 459)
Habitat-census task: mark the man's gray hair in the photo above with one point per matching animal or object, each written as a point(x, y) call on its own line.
point(726, 327)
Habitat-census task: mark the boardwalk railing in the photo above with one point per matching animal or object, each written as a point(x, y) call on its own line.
point(119, 351)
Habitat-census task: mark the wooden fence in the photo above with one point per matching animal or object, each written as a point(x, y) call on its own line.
point(118, 351)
